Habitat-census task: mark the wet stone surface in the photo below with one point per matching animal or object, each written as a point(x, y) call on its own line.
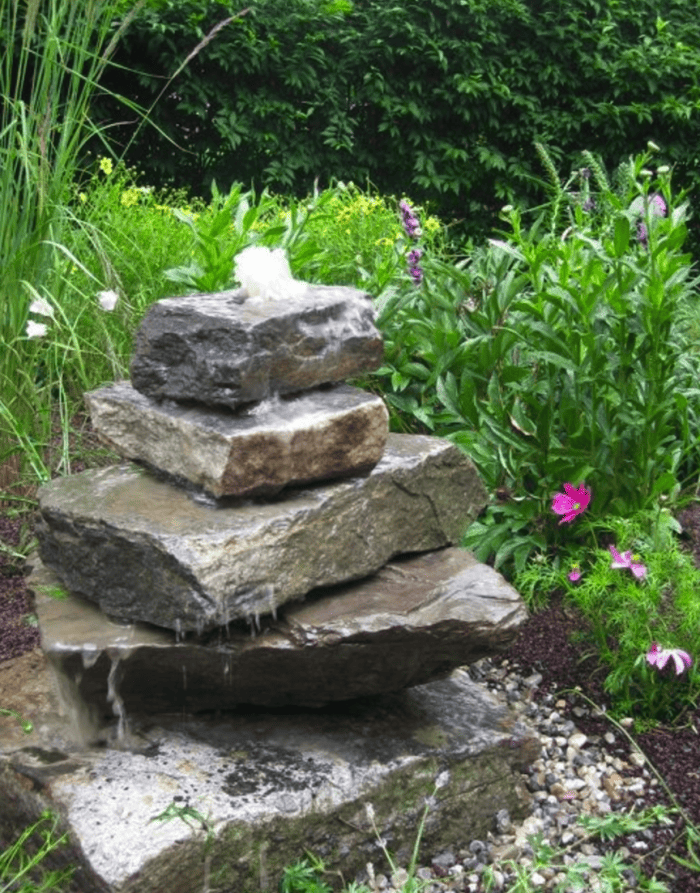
point(145, 550)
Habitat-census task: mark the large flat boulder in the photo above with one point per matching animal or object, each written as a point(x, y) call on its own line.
point(318, 435)
point(268, 785)
point(146, 550)
point(412, 622)
point(213, 349)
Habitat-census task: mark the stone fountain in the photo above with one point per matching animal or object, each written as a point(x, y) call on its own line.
point(265, 615)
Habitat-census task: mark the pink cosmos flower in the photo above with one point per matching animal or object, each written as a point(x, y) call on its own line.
point(625, 560)
point(571, 503)
point(659, 657)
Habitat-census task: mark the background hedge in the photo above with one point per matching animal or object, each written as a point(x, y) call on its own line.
point(440, 99)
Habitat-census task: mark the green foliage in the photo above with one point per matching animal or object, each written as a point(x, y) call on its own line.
point(557, 357)
point(448, 110)
point(17, 866)
point(302, 878)
point(59, 50)
point(224, 230)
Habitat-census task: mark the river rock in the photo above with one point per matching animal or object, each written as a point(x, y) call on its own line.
point(185, 804)
point(413, 621)
point(326, 433)
point(213, 349)
point(146, 550)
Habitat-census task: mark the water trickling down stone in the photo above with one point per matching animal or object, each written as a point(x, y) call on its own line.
point(116, 701)
point(332, 538)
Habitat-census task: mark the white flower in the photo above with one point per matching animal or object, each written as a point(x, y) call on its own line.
point(41, 308)
point(264, 273)
point(442, 779)
point(108, 300)
point(35, 329)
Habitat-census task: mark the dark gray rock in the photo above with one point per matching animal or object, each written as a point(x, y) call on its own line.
point(212, 349)
point(145, 550)
point(414, 621)
point(318, 435)
point(269, 785)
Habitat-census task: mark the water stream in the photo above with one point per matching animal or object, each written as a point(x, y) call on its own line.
point(114, 698)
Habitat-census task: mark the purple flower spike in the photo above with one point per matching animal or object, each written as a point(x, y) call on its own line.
point(416, 274)
point(410, 221)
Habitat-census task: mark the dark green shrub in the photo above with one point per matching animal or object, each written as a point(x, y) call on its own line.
point(438, 98)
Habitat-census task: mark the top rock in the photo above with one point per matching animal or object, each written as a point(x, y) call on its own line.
point(220, 349)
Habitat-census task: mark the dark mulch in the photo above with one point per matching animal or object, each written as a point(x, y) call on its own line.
point(542, 645)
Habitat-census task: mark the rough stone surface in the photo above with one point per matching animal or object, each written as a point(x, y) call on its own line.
point(318, 435)
point(413, 622)
point(215, 350)
point(269, 784)
point(145, 550)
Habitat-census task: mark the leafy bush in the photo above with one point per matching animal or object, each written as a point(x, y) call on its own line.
point(440, 99)
point(556, 355)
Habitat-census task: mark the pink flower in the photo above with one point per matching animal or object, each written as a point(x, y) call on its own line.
point(625, 560)
point(659, 657)
point(572, 503)
point(575, 572)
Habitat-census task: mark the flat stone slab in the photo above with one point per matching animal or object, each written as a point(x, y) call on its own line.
point(317, 435)
point(267, 785)
point(412, 622)
point(145, 550)
point(215, 350)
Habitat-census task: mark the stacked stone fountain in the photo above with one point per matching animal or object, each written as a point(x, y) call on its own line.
point(268, 549)
point(247, 508)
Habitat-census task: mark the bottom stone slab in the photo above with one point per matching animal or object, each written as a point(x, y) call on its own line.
point(262, 787)
point(413, 621)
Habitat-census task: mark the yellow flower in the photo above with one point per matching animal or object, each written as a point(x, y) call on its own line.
point(130, 197)
point(106, 165)
point(82, 196)
point(431, 226)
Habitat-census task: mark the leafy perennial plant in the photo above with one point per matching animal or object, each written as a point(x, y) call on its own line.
point(628, 613)
point(559, 351)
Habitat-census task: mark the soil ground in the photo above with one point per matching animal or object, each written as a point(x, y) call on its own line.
point(542, 646)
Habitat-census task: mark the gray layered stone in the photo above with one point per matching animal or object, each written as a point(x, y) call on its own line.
point(145, 550)
point(323, 434)
point(412, 622)
point(268, 785)
point(215, 350)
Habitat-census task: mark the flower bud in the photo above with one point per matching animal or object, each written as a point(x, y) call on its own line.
point(653, 147)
